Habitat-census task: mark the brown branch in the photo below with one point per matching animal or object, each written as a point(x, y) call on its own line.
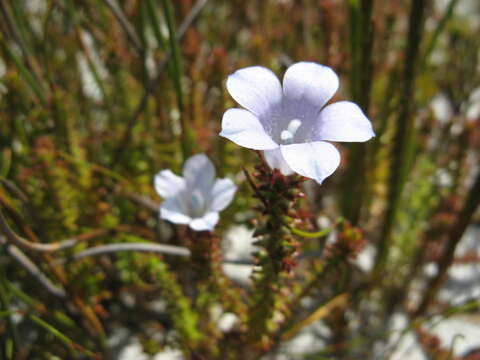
point(472, 202)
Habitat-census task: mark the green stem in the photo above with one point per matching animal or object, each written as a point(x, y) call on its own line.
point(404, 140)
point(176, 63)
point(361, 46)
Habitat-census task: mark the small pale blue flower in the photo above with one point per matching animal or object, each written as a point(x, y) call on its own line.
point(196, 198)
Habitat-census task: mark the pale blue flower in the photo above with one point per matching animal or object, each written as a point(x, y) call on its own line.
point(291, 124)
point(196, 198)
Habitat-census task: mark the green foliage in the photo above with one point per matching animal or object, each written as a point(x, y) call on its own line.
point(98, 96)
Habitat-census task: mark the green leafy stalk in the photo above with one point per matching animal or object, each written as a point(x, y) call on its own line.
point(275, 259)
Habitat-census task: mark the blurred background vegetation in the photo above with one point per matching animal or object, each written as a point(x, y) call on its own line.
point(97, 96)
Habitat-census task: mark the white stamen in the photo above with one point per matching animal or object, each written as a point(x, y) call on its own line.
point(293, 125)
point(286, 135)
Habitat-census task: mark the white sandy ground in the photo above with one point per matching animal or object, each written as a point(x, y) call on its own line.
point(238, 245)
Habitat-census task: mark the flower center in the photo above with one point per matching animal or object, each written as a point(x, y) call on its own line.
point(197, 203)
point(287, 135)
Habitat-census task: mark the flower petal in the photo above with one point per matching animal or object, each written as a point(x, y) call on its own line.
point(199, 173)
point(275, 160)
point(173, 210)
point(307, 87)
point(206, 222)
point(167, 184)
point(315, 160)
point(255, 88)
point(222, 194)
point(343, 121)
point(244, 129)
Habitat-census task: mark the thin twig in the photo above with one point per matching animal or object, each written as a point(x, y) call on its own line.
point(438, 30)
point(17, 192)
point(190, 18)
point(472, 203)
point(16, 240)
point(122, 20)
point(143, 247)
point(32, 269)
point(11, 187)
